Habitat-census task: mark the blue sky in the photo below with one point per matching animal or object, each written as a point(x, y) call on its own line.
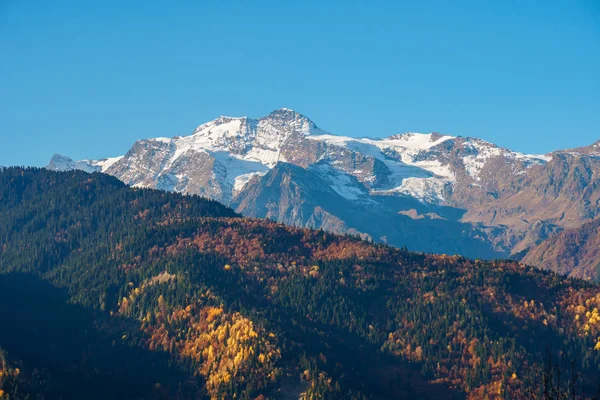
point(88, 78)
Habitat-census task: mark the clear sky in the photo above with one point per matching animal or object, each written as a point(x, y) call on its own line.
point(87, 78)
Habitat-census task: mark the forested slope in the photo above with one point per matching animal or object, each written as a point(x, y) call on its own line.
point(114, 292)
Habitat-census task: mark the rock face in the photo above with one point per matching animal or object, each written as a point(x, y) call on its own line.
point(430, 192)
point(564, 191)
point(574, 252)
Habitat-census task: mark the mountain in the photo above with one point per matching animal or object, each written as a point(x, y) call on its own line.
point(573, 252)
point(109, 291)
point(496, 201)
point(431, 167)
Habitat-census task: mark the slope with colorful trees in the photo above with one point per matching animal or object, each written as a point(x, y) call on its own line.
point(186, 299)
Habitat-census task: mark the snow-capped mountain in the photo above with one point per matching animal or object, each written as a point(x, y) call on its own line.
point(221, 157)
point(228, 158)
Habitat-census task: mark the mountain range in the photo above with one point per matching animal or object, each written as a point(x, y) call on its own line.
point(113, 292)
point(429, 192)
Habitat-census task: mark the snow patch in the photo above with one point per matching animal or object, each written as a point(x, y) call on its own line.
point(428, 190)
point(107, 163)
point(484, 151)
point(343, 184)
point(241, 180)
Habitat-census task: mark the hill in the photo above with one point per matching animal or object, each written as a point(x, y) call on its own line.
point(114, 292)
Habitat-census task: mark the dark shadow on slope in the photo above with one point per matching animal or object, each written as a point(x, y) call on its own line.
point(80, 359)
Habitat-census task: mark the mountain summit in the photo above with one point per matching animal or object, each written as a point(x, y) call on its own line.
point(292, 119)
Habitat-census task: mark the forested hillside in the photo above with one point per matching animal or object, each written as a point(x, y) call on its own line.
point(112, 292)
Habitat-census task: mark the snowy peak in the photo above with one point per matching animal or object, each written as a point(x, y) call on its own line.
point(283, 119)
point(285, 114)
point(221, 125)
point(64, 163)
point(291, 120)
